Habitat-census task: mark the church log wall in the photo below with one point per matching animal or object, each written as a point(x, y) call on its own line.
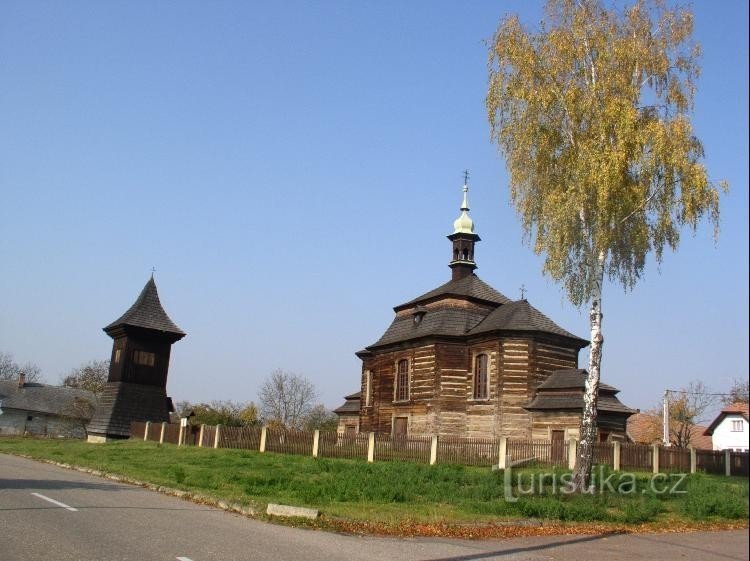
point(379, 416)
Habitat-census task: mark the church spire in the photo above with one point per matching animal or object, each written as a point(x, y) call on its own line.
point(463, 238)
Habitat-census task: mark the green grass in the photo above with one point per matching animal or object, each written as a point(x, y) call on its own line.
point(392, 492)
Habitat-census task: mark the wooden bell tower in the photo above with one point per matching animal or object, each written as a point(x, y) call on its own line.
point(137, 382)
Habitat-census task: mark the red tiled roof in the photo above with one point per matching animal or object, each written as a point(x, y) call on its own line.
point(737, 408)
point(644, 428)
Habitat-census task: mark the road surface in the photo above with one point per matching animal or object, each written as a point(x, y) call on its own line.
point(52, 514)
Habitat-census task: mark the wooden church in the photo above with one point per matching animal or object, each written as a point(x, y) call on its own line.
point(465, 360)
point(137, 381)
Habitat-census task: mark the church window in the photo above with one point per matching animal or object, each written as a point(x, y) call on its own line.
point(402, 380)
point(480, 377)
point(368, 388)
point(144, 358)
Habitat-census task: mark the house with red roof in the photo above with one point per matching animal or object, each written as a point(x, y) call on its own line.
point(729, 430)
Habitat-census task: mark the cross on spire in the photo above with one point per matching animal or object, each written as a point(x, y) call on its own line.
point(153, 270)
point(466, 177)
point(523, 292)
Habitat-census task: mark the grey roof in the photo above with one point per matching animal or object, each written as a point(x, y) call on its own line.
point(471, 286)
point(148, 313)
point(521, 316)
point(41, 398)
point(550, 397)
point(608, 403)
point(350, 406)
point(448, 321)
point(574, 378)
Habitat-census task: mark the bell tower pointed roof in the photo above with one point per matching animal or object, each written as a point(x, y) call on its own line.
point(147, 313)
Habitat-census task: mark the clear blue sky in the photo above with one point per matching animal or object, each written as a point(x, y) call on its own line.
point(291, 169)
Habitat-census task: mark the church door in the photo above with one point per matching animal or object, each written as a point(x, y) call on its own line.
point(399, 427)
point(558, 446)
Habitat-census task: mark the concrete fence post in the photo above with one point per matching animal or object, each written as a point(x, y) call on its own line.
point(616, 455)
point(200, 436)
point(572, 453)
point(181, 435)
point(263, 436)
point(163, 430)
point(433, 450)
point(316, 443)
point(145, 432)
point(216, 436)
point(727, 462)
point(655, 458)
point(693, 460)
point(371, 448)
point(502, 460)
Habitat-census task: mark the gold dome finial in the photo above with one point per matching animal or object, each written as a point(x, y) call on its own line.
point(464, 224)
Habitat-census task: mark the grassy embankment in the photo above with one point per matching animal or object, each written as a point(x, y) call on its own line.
point(391, 492)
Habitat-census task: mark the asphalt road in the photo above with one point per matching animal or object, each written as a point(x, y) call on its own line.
point(52, 514)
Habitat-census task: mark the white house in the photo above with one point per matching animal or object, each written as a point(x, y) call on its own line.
point(731, 430)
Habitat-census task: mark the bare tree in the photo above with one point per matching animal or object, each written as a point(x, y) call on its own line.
point(79, 412)
point(738, 393)
point(687, 408)
point(11, 370)
point(90, 376)
point(321, 418)
point(286, 398)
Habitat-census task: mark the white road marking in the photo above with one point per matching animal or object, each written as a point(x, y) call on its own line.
point(184, 559)
point(54, 502)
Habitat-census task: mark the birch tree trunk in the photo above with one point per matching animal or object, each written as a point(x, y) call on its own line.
point(588, 432)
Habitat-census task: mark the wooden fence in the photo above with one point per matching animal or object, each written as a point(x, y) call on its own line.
point(483, 452)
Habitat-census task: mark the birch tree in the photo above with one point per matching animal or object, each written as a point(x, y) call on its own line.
point(592, 114)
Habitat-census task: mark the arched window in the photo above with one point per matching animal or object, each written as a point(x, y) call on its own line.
point(466, 254)
point(481, 386)
point(402, 380)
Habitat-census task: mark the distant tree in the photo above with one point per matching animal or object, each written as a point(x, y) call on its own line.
point(687, 408)
point(79, 412)
point(89, 376)
point(249, 414)
point(286, 399)
point(738, 393)
point(320, 418)
point(226, 413)
point(11, 370)
point(592, 113)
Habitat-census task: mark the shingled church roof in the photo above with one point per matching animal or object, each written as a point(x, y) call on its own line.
point(471, 287)
point(350, 406)
point(147, 313)
point(454, 321)
point(521, 316)
point(450, 322)
point(564, 390)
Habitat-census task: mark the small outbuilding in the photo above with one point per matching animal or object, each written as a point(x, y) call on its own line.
point(42, 410)
point(349, 414)
point(557, 408)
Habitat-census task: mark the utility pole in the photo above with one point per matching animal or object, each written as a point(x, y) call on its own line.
point(665, 419)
